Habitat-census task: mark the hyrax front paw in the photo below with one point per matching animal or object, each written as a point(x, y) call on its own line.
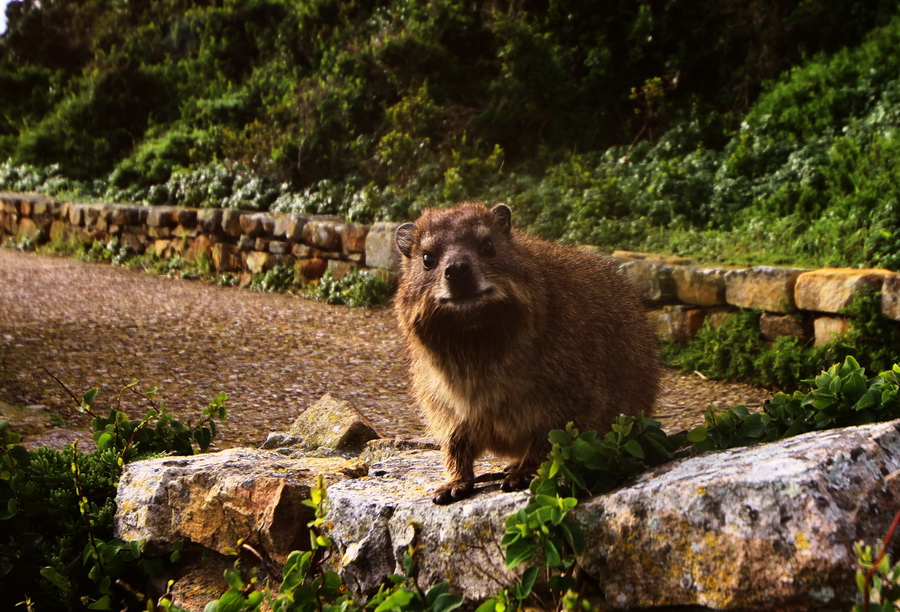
point(454, 490)
point(516, 481)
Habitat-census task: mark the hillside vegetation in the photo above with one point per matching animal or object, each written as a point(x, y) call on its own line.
point(733, 130)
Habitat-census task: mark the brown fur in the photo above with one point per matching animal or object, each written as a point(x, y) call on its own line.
point(510, 336)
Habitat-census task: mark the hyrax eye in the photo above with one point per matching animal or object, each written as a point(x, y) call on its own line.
point(429, 261)
point(487, 248)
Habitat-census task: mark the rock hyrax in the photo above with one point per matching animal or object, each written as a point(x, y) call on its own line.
point(510, 336)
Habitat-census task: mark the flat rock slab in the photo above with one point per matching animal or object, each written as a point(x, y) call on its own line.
point(832, 289)
point(218, 498)
point(759, 528)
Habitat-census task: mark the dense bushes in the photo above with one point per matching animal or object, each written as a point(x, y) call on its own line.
point(57, 507)
point(629, 127)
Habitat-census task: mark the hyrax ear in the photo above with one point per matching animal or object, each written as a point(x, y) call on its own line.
point(502, 217)
point(406, 238)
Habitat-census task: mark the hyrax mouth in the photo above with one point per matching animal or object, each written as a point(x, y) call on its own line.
point(467, 297)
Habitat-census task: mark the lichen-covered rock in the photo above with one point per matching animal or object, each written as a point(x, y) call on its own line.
point(332, 424)
point(381, 249)
point(216, 499)
point(761, 528)
point(832, 289)
point(700, 286)
point(375, 519)
point(652, 280)
point(773, 326)
point(763, 287)
point(890, 297)
point(826, 328)
point(676, 322)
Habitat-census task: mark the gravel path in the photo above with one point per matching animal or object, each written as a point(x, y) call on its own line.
point(273, 354)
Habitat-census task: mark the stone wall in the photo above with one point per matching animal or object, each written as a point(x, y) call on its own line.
point(796, 302)
point(234, 241)
point(680, 293)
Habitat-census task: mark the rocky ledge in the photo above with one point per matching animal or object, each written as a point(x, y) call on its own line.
point(759, 528)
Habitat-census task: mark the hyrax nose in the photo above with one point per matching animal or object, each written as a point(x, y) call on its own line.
point(458, 271)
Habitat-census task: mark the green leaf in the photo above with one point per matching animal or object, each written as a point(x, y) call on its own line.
point(231, 601)
point(103, 603)
point(399, 599)
point(88, 398)
point(55, 578)
point(697, 434)
point(526, 584)
point(520, 551)
point(634, 448)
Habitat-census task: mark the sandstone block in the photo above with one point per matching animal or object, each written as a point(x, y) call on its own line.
point(279, 247)
point(381, 249)
point(699, 285)
point(312, 269)
point(246, 243)
point(93, 216)
point(186, 217)
point(677, 322)
point(26, 227)
point(162, 248)
point(136, 242)
point(160, 233)
point(200, 247)
point(324, 235)
point(225, 257)
point(832, 289)
point(59, 232)
point(890, 297)
point(74, 213)
point(353, 238)
point(257, 261)
point(231, 222)
point(718, 316)
point(339, 269)
point(826, 328)
point(774, 326)
point(333, 424)
point(762, 287)
point(254, 225)
point(186, 231)
point(209, 220)
point(653, 281)
point(291, 225)
point(218, 498)
point(162, 216)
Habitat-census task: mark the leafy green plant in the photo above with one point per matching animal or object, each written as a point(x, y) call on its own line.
point(58, 550)
point(356, 288)
point(279, 278)
point(305, 586)
point(877, 579)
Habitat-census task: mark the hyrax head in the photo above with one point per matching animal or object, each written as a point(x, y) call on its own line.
point(454, 256)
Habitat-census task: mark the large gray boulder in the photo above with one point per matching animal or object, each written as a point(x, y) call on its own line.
point(759, 528)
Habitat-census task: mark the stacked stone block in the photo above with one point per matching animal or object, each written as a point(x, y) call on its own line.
point(682, 295)
point(796, 302)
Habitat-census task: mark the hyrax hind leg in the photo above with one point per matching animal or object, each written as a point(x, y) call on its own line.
point(520, 473)
point(459, 457)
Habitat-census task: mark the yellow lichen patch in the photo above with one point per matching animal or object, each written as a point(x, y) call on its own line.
point(801, 541)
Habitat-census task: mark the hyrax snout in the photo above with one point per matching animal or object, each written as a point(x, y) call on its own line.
point(510, 336)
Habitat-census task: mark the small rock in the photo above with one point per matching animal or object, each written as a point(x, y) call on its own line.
point(333, 424)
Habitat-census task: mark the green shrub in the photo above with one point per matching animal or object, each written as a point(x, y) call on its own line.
point(58, 550)
point(356, 288)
